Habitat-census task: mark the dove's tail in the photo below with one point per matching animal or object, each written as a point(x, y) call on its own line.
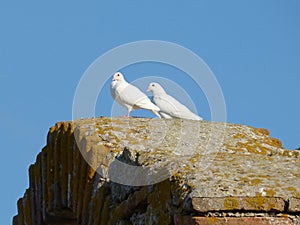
point(145, 103)
point(156, 113)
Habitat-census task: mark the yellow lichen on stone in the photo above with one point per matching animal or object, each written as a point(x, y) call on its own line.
point(260, 203)
point(255, 181)
point(294, 192)
point(212, 219)
point(270, 192)
point(252, 146)
point(260, 131)
point(239, 136)
point(274, 142)
point(230, 203)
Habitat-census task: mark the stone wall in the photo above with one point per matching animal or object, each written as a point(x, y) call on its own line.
point(206, 173)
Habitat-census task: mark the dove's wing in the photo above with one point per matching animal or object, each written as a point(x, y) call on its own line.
point(132, 96)
point(173, 108)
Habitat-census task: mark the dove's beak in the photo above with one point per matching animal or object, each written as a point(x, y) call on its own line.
point(148, 89)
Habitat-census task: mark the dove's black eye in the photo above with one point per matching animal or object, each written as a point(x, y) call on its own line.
point(153, 85)
point(118, 75)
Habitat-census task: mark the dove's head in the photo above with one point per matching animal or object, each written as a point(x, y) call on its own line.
point(155, 88)
point(118, 77)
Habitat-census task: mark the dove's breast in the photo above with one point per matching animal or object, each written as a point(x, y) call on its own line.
point(116, 89)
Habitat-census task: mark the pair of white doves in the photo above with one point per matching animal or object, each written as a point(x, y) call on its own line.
point(132, 98)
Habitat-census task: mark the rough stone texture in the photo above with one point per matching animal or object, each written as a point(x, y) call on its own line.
point(187, 220)
point(238, 203)
point(203, 168)
point(294, 205)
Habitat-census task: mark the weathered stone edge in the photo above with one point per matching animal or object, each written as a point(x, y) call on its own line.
point(190, 220)
point(258, 203)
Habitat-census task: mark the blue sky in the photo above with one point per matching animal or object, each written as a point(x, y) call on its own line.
point(252, 47)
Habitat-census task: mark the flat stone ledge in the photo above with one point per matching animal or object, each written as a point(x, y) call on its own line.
point(238, 203)
point(188, 220)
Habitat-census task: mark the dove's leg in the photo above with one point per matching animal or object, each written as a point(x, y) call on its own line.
point(128, 112)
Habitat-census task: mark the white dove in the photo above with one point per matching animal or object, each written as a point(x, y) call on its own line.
point(130, 96)
point(169, 106)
